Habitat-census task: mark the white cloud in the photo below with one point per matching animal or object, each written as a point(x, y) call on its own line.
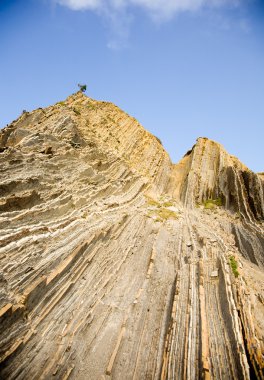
point(166, 8)
point(118, 13)
point(78, 5)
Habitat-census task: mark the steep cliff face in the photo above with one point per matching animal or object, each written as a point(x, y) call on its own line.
point(116, 263)
point(211, 173)
point(208, 176)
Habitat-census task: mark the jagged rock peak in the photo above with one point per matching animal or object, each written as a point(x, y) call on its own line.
point(116, 263)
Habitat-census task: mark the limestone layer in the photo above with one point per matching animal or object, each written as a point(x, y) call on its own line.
point(118, 264)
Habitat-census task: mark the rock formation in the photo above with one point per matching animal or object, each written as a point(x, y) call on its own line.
point(118, 264)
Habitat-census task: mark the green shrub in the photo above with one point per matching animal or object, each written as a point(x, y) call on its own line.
point(82, 87)
point(233, 265)
point(218, 202)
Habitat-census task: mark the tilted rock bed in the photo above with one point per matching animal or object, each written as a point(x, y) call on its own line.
point(116, 263)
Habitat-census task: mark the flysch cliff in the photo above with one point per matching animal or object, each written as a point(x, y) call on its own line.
point(116, 263)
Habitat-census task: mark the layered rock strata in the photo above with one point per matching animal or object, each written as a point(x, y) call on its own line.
point(118, 264)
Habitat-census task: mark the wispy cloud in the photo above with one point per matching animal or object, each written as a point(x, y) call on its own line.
point(165, 8)
point(245, 26)
point(119, 13)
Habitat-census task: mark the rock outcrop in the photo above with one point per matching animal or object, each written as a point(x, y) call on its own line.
point(117, 263)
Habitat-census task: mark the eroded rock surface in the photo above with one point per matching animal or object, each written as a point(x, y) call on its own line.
point(116, 263)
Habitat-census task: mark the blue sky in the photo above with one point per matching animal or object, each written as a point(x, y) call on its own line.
point(183, 68)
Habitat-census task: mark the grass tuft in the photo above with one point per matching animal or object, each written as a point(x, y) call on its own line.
point(210, 204)
point(167, 204)
point(166, 214)
point(152, 202)
point(160, 210)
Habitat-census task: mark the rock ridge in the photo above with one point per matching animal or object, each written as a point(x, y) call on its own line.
point(117, 263)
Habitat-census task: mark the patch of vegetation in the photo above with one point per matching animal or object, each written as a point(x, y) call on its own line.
point(238, 215)
point(165, 214)
point(210, 204)
point(160, 210)
point(233, 265)
point(167, 204)
point(76, 111)
point(91, 106)
point(111, 120)
point(152, 202)
point(160, 203)
point(60, 103)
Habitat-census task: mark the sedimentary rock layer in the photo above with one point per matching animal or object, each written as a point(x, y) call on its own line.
point(116, 263)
